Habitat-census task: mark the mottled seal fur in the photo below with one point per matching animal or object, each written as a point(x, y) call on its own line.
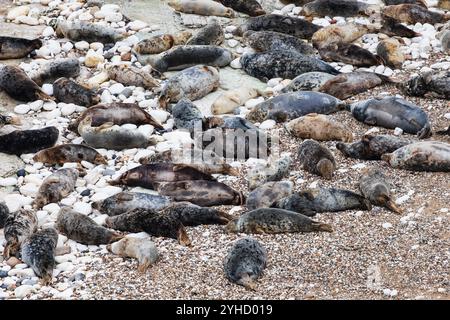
point(201, 7)
point(38, 251)
point(132, 76)
point(349, 53)
point(69, 91)
point(85, 31)
point(69, 153)
point(393, 27)
point(192, 215)
point(274, 220)
point(375, 187)
point(4, 120)
point(292, 105)
point(371, 147)
point(412, 13)
point(17, 48)
point(435, 82)
point(245, 262)
point(394, 2)
point(268, 193)
point(250, 7)
point(4, 213)
point(161, 43)
point(309, 81)
point(421, 156)
point(346, 33)
point(59, 68)
point(83, 229)
point(19, 225)
point(211, 34)
point(316, 159)
point(19, 142)
point(273, 171)
point(186, 115)
point(341, 8)
point(284, 64)
point(55, 187)
point(144, 250)
point(392, 112)
point(390, 51)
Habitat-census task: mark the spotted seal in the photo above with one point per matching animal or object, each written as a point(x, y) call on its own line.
point(349, 53)
point(69, 153)
point(434, 82)
point(19, 142)
point(211, 34)
point(132, 76)
point(59, 68)
point(251, 7)
point(17, 48)
point(341, 8)
point(161, 43)
point(19, 225)
point(309, 81)
point(69, 91)
point(268, 193)
point(316, 159)
point(390, 51)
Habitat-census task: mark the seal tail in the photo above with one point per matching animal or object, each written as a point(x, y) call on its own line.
point(248, 282)
point(393, 207)
point(183, 237)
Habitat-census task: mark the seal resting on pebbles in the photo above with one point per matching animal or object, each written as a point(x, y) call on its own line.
point(309, 81)
point(132, 76)
point(268, 193)
point(59, 68)
point(435, 82)
point(19, 225)
point(412, 14)
point(211, 34)
point(143, 250)
point(69, 153)
point(69, 91)
point(201, 7)
point(161, 43)
point(19, 142)
point(4, 213)
point(250, 7)
point(341, 8)
point(316, 159)
point(17, 48)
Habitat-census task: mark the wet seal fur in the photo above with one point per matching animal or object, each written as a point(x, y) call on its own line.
point(17, 48)
point(432, 156)
point(403, 114)
point(375, 187)
point(309, 81)
point(144, 250)
point(55, 187)
point(273, 220)
point(250, 7)
point(316, 159)
point(69, 153)
point(437, 83)
point(211, 34)
point(309, 202)
point(268, 193)
point(19, 225)
point(245, 262)
point(38, 251)
point(83, 229)
point(19, 142)
point(161, 43)
point(341, 8)
point(69, 91)
point(59, 68)
point(371, 147)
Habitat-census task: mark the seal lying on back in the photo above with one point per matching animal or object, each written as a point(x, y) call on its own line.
point(421, 156)
point(273, 220)
point(349, 53)
point(83, 229)
point(132, 76)
point(262, 41)
point(393, 112)
point(296, 27)
point(28, 141)
point(85, 31)
point(59, 68)
point(19, 225)
point(371, 147)
point(17, 48)
point(245, 262)
point(211, 34)
point(393, 27)
point(68, 91)
point(161, 43)
point(312, 201)
point(69, 153)
point(201, 7)
point(4, 213)
point(316, 159)
point(282, 64)
point(16, 83)
point(375, 187)
point(293, 105)
point(182, 57)
point(309, 81)
point(268, 193)
point(143, 250)
point(230, 100)
point(341, 8)
point(204, 193)
point(436, 82)
point(38, 251)
point(250, 7)
point(412, 13)
point(346, 85)
point(147, 174)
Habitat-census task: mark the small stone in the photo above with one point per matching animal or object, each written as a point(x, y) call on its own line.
point(68, 109)
point(250, 104)
point(113, 17)
point(236, 63)
point(85, 193)
point(27, 20)
point(116, 88)
point(137, 25)
point(398, 131)
point(17, 12)
point(47, 88)
point(387, 225)
point(232, 43)
point(273, 82)
point(65, 266)
point(48, 32)
point(82, 45)
point(159, 115)
point(22, 109)
point(67, 46)
point(267, 124)
point(23, 291)
point(21, 173)
point(12, 262)
point(93, 59)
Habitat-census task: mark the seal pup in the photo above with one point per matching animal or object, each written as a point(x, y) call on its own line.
point(346, 85)
point(69, 153)
point(85, 31)
point(17, 48)
point(186, 115)
point(282, 64)
point(293, 26)
point(318, 127)
point(147, 174)
point(349, 53)
point(182, 57)
point(144, 250)
point(390, 51)
point(273, 171)
point(157, 224)
point(341, 8)
point(59, 68)
point(4, 213)
point(421, 156)
point(231, 99)
point(4, 120)
point(55, 187)
point(262, 41)
point(245, 262)
point(131, 76)
point(371, 147)
point(250, 7)
point(83, 229)
point(117, 113)
point(205, 193)
point(309, 81)
point(436, 82)
point(375, 187)
point(19, 225)
point(316, 159)
point(192, 83)
point(413, 13)
point(201, 7)
point(292, 105)
point(38, 251)
point(268, 193)
point(161, 43)
point(392, 112)
point(19, 142)
point(274, 220)
point(211, 34)
point(126, 201)
point(346, 33)
point(393, 27)
point(309, 202)
point(16, 83)
point(68, 91)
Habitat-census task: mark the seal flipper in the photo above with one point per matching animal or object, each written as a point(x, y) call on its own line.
point(393, 207)
point(247, 282)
